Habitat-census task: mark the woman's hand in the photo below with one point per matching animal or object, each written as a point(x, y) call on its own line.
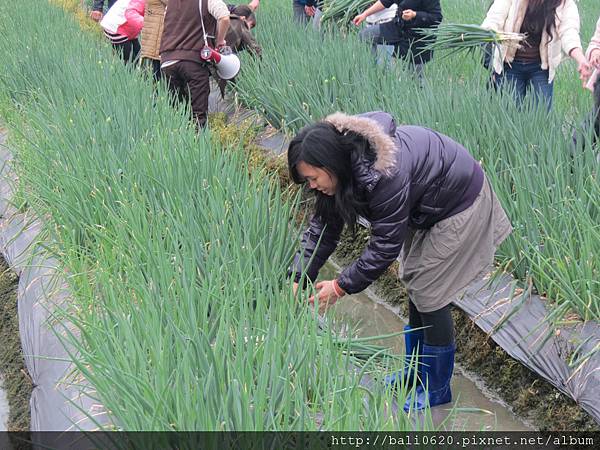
point(309, 11)
point(595, 58)
point(96, 16)
point(408, 14)
point(585, 70)
point(583, 66)
point(359, 19)
point(328, 292)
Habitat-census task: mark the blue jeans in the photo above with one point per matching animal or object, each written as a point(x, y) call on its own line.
point(383, 51)
point(522, 77)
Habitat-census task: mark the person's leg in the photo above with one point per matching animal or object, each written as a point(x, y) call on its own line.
point(419, 69)
point(135, 49)
point(120, 49)
point(436, 360)
point(175, 83)
point(439, 327)
point(317, 19)
point(413, 348)
point(156, 69)
point(414, 316)
point(197, 78)
point(299, 14)
point(540, 88)
point(372, 35)
point(514, 79)
point(127, 51)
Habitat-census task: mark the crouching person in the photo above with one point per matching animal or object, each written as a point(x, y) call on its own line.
point(428, 201)
point(239, 37)
point(122, 25)
point(186, 24)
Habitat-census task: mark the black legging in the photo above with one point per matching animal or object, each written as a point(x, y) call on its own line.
point(129, 50)
point(440, 327)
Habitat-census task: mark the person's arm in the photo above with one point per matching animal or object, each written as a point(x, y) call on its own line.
point(318, 243)
point(222, 27)
point(429, 16)
point(253, 5)
point(389, 206)
point(379, 5)
point(496, 15)
point(568, 32)
point(218, 9)
point(249, 42)
point(310, 8)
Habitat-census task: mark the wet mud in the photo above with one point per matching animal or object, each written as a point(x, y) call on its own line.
point(14, 413)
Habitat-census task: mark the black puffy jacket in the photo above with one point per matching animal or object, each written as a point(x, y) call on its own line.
point(418, 178)
point(403, 33)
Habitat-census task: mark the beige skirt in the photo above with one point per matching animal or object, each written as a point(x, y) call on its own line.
point(437, 264)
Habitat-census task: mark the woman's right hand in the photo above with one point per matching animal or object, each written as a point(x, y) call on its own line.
point(359, 19)
point(595, 58)
point(309, 11)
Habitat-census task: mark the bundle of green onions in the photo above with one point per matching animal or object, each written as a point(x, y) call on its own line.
point(458, 37)
point(341, 12)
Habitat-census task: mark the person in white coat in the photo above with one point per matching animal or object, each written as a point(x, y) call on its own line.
point(552, 28)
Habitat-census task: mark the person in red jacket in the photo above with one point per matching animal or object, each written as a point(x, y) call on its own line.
point(122, 25)
point(429, 205)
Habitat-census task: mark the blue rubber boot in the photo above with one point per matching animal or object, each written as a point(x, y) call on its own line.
point(438, 364)
point(413, 344)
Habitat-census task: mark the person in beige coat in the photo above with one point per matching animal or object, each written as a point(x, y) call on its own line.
point(152, 32)
point(552, 28)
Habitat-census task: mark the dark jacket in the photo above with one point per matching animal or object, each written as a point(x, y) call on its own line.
point(239, 37)
point(98, 5)
point(419, 177)
point(182, 37)
point(402, 33)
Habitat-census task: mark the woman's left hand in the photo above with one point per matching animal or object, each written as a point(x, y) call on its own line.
point(585, 70)
point(595, 58)
point(329, 293)
point(583, 66)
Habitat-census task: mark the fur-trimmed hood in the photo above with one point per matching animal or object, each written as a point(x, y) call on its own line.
point(378, 128)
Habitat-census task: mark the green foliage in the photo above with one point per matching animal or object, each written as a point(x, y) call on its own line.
point(182, 315)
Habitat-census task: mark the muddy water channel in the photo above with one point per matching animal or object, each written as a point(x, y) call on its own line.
point(476, 409)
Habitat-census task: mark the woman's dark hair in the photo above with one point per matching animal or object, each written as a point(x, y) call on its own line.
point(547, 10)
point(244, 11)
point(322, 145)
